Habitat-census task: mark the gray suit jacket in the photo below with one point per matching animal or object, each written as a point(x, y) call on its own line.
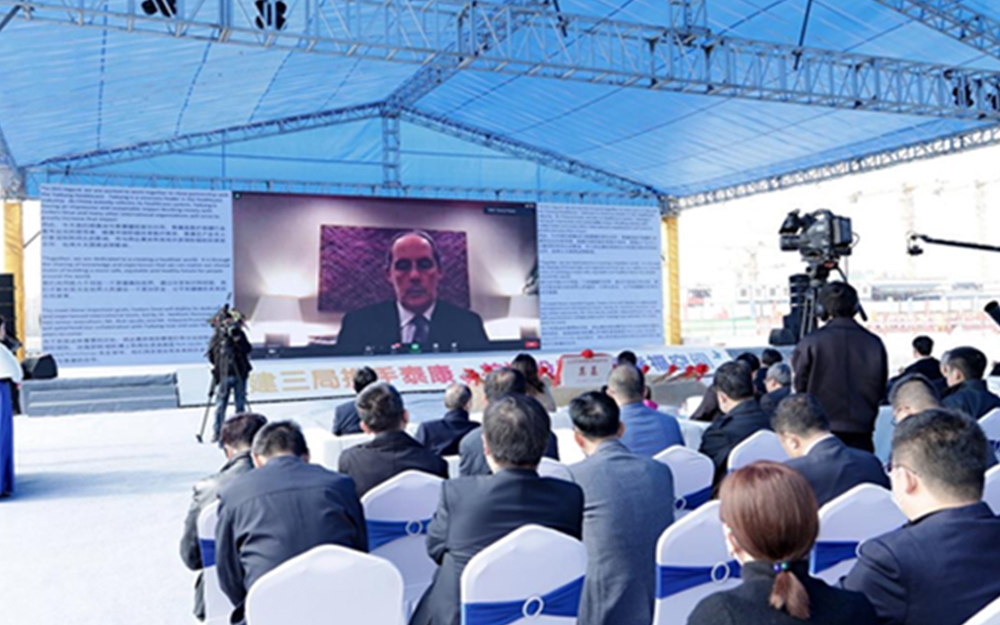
point(628, 502)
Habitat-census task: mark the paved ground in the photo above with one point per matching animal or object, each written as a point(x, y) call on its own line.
point(91, 535)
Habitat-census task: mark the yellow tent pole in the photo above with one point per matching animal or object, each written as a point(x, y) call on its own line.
point(13, 262)
point(672, 281)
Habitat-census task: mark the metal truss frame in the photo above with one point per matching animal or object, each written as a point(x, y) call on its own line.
point(37, 177)
point(390, 152)
point(870, 162)
point(952, 18)
point(11, 176)
point(523, 40)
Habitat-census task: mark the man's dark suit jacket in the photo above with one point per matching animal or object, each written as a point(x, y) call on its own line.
point(929, 367)
point(972, 397)
point(277, 512)
point(377, 327)
point(832, 468)
point(747, 604)
point(205, 492)
point(769, 402)
point(938, 570)
point(442, 436)
point(387, 455)
point(730, 430)
point(346, 420)
point(845, 367)
point(472, 460)
point(475, 512)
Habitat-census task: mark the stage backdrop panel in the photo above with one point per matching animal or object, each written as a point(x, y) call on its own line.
point(352, 266)
point(131, 276)
point(601, 276)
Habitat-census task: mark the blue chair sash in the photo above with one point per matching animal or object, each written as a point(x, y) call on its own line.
point(829, 553)
point(207, 547)
point(383, 532)
point(692, 501)
point(672, 580)
point(563, 601)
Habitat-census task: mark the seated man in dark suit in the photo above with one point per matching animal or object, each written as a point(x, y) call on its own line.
point(741, 415)
point(280, 510)
point(392, 451)
point(768, 358)
point(236, 438)
point(628, 503)
point(647, 431)
point(416, 316)
point(475, 512)
point(925, 364)
point(499, 383)
point(346, 420)
point(914, 394)
point(963, 369)
point(831, 467)
point(442, 436)
point(942, 566)
point(778, 385)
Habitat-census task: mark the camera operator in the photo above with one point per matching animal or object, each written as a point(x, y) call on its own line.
point(844, 366)
point(229, 353)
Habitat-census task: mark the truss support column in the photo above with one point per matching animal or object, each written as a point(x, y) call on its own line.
point(13, 261)
point(390, 152)
point(672, 280)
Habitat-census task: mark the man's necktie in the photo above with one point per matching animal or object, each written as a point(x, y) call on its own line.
point(421, 329)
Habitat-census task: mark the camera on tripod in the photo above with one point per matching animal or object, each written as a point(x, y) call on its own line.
point(821, 239)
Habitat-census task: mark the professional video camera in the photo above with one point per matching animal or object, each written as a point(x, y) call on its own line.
point(226, 320)
point(822, 239)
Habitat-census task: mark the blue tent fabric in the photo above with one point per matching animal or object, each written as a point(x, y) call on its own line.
point(69, 90)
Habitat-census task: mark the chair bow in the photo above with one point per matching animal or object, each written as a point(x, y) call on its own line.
point(563, 601)
point(672, 580)
point(383, 532)
point(829, 553)
point(207, 546)
point(692, 501)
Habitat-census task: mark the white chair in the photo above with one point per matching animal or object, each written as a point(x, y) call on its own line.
point(990, 422)
point(692, 431)
point(692, 562)
point(990, 615)
point(454, 463)
point(761, 445)
point(324, 448)
point(569, 451)
point(864, 512)
point(533, 572)
point(553, 468)
point(325, 584)
point(991, 490)
point(690, 405)
point(217, 604)
point(693, 473)
point(397, 512)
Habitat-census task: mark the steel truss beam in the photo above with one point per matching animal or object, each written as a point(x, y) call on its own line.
point(528, 152)
point(38, 177)
point(869, 162)
point(526, 41)
point(390, 152)
point(212, 138)
point(952, 18)
point(11, 176)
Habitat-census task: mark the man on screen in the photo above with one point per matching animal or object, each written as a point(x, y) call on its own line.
point(416, 316)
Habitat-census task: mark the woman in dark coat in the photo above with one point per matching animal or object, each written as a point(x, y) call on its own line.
point(770, 518)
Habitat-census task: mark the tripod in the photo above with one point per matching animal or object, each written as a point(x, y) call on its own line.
point(220, 353)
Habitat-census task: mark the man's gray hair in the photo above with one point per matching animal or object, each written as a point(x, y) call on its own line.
point(457, 396)
point(780, 373)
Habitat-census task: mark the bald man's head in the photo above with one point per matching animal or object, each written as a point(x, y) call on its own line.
point(911, 395)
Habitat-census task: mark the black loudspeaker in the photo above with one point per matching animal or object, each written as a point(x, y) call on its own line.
point(40, 367)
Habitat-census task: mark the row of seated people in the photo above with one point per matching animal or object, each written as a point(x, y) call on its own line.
point(620, 503)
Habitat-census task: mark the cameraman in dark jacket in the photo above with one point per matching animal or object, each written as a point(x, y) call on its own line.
point(229, 353)
point(844, 366)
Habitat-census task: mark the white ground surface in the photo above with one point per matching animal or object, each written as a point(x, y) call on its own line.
point(91, 534)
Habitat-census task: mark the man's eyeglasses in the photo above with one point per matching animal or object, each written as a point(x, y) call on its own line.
point(423, 264)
